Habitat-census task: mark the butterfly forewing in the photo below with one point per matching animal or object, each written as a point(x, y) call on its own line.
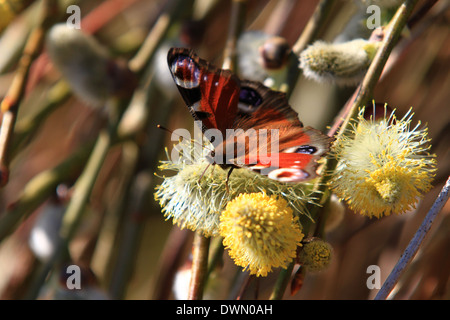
point(211, 94)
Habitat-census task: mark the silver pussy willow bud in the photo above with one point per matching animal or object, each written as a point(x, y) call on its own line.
point(263, 57)
point(341, 63)
point(85, 64)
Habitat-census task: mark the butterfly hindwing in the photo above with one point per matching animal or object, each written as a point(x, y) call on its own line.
point(292, 159)
point(254, 97)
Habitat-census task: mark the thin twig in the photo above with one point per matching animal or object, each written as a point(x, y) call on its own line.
point(12, 100)
point(135, 196)
point(313, 26)
point(238, 10)
point(391, 36)
point(39, 189)
point(157, 34)
point(245, 286)
point(415, 243)
point(308, 35)
point(362, 94)
point(25, 128)
point(364, 91)
point(282, 282)
point(199, 267)
point(421, 13)
point(80, 197)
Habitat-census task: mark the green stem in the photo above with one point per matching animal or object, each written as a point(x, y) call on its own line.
point(312, 28)
point(80, 197)
point(217, 253)
point(282, 282)
point(84, 185)
point(157, 34)
point(238, 10)
point(362, 96)
point(25, 128)
point(16, 92)
point(308, 35)
point(39, 188)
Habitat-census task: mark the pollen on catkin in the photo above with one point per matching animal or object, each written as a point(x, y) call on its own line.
point(260, 232)
point(196, 194)
point(383, 166)
point(315, 255)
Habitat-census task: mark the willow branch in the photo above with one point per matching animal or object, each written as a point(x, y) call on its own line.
point(157, 35)
point(282, 282)
point(25, 128)
point(365, 90)
point(238, 9)
point(415, 243)
point(312, 28)
point(39, 188)
point(308, 35)
point(85, 184)
point(15, 94)
point(199, 267)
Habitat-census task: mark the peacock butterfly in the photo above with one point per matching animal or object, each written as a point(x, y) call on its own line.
point(221, 101)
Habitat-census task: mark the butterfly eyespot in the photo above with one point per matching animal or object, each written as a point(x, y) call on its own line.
point(250, 96)
point(301, 149)
point(185, 72)
point(288, 175)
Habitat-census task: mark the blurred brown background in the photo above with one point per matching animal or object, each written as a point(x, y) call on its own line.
point(123, 235)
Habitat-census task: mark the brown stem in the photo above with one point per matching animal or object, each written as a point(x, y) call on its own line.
point(199, 267)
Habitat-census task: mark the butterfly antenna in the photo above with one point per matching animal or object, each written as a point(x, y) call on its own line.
point(164, 128)
point(204, 171)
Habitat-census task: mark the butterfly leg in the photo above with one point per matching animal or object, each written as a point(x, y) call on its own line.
point(204, 171)
point(228, 179)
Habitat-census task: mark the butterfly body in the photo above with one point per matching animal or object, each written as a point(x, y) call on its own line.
point(249, 125)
